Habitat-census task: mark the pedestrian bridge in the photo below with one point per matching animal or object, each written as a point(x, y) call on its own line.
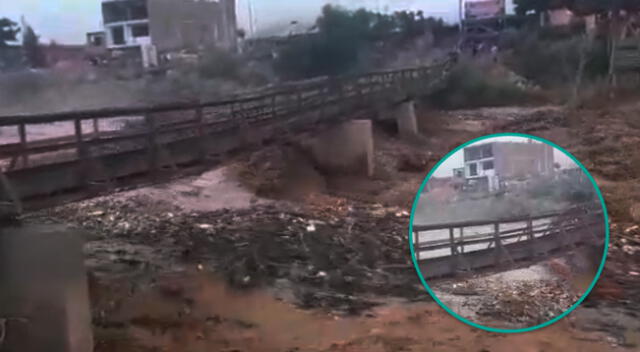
point(91, 155)
point(450, 248)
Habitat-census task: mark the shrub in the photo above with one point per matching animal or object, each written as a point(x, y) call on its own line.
point(572, 188)
point(343, 37)
point(555, 62)
point(469, 86)
point(215, 63)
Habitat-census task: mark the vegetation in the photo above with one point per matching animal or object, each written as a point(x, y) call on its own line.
point(343, 37)
point(215, 63)
point(32, 50)
point(469, 86)
point(550, 62)
point(572, 187)
point(8, 31)
point(216, 74)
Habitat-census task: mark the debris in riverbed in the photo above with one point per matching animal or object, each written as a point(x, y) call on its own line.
point(338, 262)
point(527, 303)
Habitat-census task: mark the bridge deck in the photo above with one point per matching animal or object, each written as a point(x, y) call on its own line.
point(500, 241)
point(182, 133)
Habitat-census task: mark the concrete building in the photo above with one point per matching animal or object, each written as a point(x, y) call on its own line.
point(563, 17)
point(169, 25)
point(490, 166)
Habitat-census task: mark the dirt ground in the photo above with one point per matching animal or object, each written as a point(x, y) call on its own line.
point(246, 258)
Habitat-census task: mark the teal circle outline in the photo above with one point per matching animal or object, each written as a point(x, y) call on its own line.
point(535, 327)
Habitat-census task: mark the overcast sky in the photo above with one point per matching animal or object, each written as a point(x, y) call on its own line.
point(457, 159)
point(67, 21)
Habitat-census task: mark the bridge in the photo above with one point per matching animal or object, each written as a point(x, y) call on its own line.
point(450, 248)
point(95, 150)
point(92, 154)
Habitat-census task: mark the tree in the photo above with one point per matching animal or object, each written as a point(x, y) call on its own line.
point(32, 49)
point(8, 31)
point(343, 36)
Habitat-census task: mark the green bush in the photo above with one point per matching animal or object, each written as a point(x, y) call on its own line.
point(469, 86)
point(345, 40)
point(573, 188)
point(555, 62)
point(216, 63)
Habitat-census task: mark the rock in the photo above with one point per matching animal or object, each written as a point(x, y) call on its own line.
point(634, 211)
point(257, 246)
point(414, 162)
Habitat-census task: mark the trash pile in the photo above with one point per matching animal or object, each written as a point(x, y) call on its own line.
point(527, 303)
point(343, 256)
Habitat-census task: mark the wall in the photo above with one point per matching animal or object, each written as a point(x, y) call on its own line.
point(56, 53)
point(178, 24)
point(44, 290)
point(560, 17)
point(522, 159)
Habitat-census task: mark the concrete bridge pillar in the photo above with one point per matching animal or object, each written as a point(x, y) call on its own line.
point(44, 298)
point(346, 148)
point(405, 115)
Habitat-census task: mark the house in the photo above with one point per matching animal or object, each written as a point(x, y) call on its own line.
point(560, 17)
point(492, 166)
point(168, 25)
point(563, 17)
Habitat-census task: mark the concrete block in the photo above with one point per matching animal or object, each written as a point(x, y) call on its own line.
point(405, 115)
point(44, 297)
point(345, 148)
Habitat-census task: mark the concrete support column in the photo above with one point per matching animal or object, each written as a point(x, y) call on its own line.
point(346, 148)
point(405, 115)
point(44, 297)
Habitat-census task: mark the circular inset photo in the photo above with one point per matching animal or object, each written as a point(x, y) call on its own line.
point(509, 233)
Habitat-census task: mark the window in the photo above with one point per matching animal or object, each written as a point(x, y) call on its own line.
point(473, 169)
point(140, 30)
point(138, 10)
point(487, 165)
point(113, 11)
point(117, 33)
point(486, 151)
point(479, 152)
point(472, 154)
point(119, 11)
point(96, 40)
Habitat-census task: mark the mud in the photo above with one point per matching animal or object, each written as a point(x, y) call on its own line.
point(203, 265)
point(198, 310)
point(328, 258)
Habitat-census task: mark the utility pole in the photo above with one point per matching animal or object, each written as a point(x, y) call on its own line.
point(250, 8)
point(461, 14)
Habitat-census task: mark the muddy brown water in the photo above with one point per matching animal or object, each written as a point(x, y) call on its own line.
point(195, 311)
